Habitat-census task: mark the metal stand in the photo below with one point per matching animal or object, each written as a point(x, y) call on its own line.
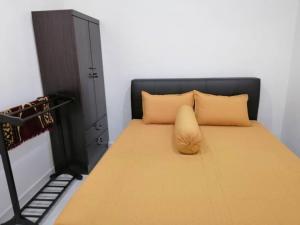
point(49, 194)
point(18, 221)
point(18, 218)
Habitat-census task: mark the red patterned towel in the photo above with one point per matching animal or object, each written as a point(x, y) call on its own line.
point(15, 135)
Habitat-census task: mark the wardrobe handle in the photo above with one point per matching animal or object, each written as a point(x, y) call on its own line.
point(99, 127)
point(92, 68)
point(99, 140)
point(93, 75)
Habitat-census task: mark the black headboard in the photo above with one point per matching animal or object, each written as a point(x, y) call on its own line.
point(217, 86)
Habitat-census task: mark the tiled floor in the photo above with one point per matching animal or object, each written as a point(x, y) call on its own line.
point(59, 206)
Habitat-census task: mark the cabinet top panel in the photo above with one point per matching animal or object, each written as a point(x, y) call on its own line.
point(67, 11)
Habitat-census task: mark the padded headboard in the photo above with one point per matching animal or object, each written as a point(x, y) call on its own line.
point(217, 86)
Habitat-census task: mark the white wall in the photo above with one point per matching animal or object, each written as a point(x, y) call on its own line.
point(20, 83)
point(157, 38)
point(194, 38)
point(291, 125)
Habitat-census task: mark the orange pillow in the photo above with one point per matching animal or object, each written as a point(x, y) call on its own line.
point(162, 109)
point(221, 110)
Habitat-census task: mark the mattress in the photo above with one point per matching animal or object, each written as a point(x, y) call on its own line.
point(243, 176)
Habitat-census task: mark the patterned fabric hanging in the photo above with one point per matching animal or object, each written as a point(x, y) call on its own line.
point(15, 135)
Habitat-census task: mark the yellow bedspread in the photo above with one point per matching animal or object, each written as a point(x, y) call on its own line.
point(243, 176)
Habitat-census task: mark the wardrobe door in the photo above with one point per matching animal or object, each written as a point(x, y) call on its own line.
point(98, 69)
point(83, 47)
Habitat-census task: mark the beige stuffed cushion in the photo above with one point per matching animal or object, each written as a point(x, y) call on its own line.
point(187, 132)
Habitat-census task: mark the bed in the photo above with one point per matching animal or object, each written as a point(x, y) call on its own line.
point(243, 175)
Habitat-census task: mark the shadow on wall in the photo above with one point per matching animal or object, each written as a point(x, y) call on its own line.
point(265, 108)
point(127, 102)
point(291, 122)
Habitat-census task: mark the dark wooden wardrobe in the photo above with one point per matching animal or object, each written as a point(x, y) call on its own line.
point(69, 53)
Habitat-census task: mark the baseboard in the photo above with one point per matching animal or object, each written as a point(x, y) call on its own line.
point(27, 195)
